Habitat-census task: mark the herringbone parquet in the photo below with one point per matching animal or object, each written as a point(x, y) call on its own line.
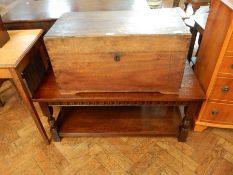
point(22, 150)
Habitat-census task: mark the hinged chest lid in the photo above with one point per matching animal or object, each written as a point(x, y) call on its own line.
point(117, 23)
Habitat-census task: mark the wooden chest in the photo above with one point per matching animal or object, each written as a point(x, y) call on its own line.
point(119, 51)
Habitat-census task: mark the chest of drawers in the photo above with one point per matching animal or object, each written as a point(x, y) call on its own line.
point(120, 51)
point(214, 67)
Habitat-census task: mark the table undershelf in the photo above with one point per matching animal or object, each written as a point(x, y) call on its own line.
point(115, 114)
point(118, 120)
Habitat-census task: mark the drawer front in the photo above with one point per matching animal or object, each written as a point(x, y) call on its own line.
point(230, 45)
point(119, 72)
point(223, 89)
point(218, 112)
point(227, 66)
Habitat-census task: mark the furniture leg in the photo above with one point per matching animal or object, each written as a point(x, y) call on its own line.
point(200, 128)
point(18, 81)
point(190, 112)
point(192, 43)
point(199, 43)
point(48, 112)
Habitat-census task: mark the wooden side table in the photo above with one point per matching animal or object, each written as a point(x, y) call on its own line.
point(104, 114)
point(16, 54)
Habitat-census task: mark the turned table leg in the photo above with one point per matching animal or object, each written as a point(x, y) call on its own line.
point(190, 113)
point(192, 43)
point(48, 112)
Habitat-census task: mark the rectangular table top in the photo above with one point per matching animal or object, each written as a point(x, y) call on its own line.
point(21, 41)
point(190, 91)
point(47, 10)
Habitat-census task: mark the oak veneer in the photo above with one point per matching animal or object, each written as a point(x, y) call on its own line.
point(214, 67)
point(120, 51)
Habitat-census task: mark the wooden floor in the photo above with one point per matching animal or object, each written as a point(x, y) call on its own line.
point(22, 150)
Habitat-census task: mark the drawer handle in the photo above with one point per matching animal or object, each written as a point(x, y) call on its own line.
point(117, 57)
point(215, 112)
point(232, 66)
point(225, 89)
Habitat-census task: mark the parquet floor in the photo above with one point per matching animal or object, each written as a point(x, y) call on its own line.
point(22, 150)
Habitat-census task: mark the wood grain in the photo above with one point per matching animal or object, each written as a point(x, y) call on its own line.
point(223, 113)
point(190, 90)
point(122, 120)
point(46, 10)
point(117, 23)
point(223, 89)
point(88, 42)
point(11, 57)
point(101, 73)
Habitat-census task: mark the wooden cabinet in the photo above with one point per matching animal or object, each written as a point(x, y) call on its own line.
point(214, 67)
point(121, 51)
